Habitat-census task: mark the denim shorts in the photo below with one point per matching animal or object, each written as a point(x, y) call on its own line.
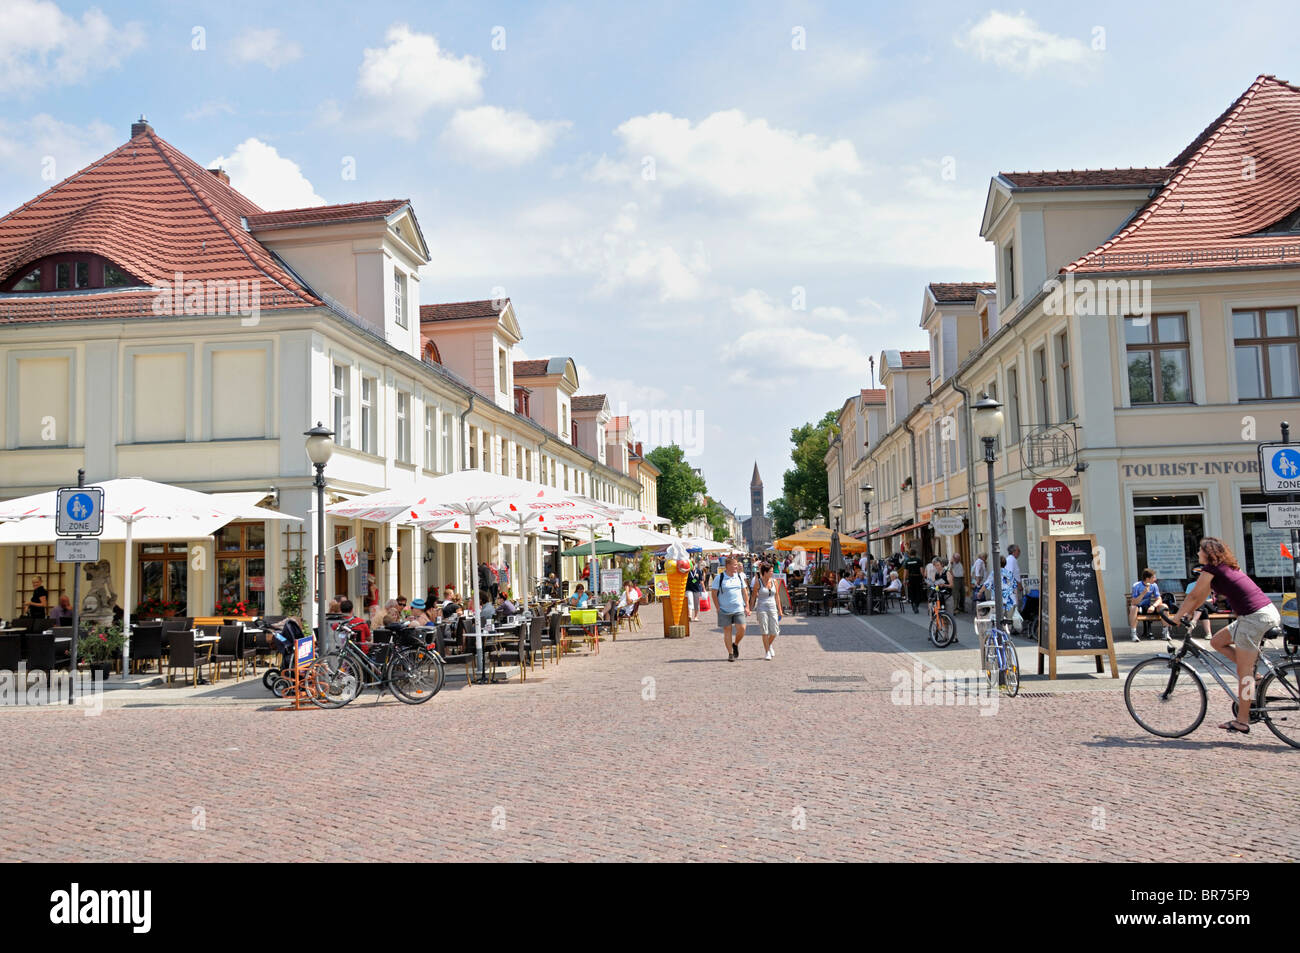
point(730, 618)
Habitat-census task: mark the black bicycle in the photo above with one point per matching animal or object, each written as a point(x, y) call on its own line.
point(412, 672)
point(1167, 697)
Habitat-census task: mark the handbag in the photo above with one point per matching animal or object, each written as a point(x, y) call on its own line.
point(704, 600)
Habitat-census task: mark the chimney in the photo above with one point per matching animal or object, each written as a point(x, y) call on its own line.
point(140, 127)
point(221, 174)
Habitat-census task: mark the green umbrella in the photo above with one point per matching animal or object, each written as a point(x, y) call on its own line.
point(604, 547)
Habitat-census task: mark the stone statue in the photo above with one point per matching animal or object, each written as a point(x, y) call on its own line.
point(98, 601)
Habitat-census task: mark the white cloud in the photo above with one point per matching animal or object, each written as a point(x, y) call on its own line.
point(413, 74)
point(42, 46)
point(498, 136)
point(1014, 42)
point(266, 46)
point(42, 151)
point(790, 349)
point(213, 107)
point(728, 155)
point(268, 178)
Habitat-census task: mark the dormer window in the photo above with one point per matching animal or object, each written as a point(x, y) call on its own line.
point(68, 272)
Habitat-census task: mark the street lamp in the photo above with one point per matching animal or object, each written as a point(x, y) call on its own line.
point(838, 509)
point(320, 445)
point(868, 494)
point(987, 424)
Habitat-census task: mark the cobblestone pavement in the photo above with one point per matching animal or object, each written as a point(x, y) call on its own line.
point(652, 750)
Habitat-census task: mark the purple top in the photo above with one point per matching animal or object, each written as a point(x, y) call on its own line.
point(1244, 597)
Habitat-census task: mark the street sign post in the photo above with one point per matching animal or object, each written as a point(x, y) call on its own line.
point(76, 550)
point(1284, 516)
point(79, 511)
point(1050, 496)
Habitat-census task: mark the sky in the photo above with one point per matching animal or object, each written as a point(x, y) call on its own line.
point(719, 211)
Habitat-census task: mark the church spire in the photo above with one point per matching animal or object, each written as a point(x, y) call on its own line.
point(757, 480)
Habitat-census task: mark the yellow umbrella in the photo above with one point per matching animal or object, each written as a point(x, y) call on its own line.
point(818, 538)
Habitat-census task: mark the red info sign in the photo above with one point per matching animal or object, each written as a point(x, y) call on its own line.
point(1048, 497)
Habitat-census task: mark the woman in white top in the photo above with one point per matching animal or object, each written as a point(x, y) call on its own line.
point(767, 607)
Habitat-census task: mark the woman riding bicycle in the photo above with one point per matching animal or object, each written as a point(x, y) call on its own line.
point(1240, 641)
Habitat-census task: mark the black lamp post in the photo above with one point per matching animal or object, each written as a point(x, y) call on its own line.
point(987, 424)
point(868, 494)
point(320, 446)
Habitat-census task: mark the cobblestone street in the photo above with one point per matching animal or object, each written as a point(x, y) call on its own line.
point(652, 750)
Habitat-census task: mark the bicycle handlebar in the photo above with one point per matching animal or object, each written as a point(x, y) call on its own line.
point(1169, 620)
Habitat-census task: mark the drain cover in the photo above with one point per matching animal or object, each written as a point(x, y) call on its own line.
point(837, 678)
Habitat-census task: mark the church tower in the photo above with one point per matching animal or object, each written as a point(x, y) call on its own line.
point(758, 528)
point(756, 494)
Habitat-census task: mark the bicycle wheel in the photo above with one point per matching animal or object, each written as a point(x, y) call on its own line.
point(1281, 709)
point(414, 675)
point(942, 629)
point(992, 663)
point(1165, 696)
point(332, 681)
point(1010, 669)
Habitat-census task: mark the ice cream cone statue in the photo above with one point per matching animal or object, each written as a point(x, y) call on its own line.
point(677, 564)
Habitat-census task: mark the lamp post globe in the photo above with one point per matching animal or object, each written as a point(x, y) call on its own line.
point(986, 423)
point(320, 446)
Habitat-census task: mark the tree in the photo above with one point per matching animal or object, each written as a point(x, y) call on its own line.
point(678, 485)
point(782, 515)
point(806, 493)
point(717, 518)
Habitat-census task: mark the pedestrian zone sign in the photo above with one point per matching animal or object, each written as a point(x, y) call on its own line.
point(1279, 467)
point(79, 511)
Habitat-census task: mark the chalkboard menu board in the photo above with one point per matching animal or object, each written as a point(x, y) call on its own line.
point(1072, 604)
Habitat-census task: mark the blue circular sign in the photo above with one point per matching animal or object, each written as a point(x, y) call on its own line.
point(81, 507)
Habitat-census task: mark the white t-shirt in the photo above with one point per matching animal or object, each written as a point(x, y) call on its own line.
point(957, 568)
point(1013, 567)
point(844, 587)
point(978, 571)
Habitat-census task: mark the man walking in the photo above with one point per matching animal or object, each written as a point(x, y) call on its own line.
point(958, 571)
point(915, 580)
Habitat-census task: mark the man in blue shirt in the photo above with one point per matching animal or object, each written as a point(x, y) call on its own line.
point(732, 597)
point(1146, 599)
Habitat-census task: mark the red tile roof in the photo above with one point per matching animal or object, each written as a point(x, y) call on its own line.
point(460, 310)
point(1238, 177)
point(957, 292)
point(915, 358)
point(1088, 178)
point(876, 396)
point(588, 402)
point(325, 214)
point(530, 368)
point(154, 212)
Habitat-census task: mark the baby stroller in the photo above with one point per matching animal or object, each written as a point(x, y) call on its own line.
point(285, 639)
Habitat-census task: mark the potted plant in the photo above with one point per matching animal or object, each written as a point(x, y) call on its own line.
point(294, 589)
point(156, 607)
point(100, 646)
point(231, 607)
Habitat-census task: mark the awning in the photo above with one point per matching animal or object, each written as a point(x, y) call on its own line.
point(903, 529)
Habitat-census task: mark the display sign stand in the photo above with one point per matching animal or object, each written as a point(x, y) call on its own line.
point(303, 651)
point(1072, 616)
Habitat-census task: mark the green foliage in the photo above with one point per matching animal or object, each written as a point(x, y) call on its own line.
point(782, 515)
point(643, 571)
point(677, 485)
point(717, 517)
point(806, 493)
point(293, 590)
point(101, 643)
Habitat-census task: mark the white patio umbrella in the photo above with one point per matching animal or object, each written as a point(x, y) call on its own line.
point(466, 497)
point(182, 513)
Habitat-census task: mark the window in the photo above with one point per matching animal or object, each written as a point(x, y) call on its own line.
point(342, 405)
point(403, 427)
point(984, 325)
point(1158, 365)
point(1064, 396)
point(528, 464)
point(164, 575)
point(1262, 559)
point(573, 435)
point(553, 483)
point(564, 419)
point(1013, 402)
point(473, 448)
point(1044, 395)
point(369, 440)
point(430, 432)
point(1266, 353)
point(447, 455)
point(1009, 269)
point(399, 298)
point(241, 567)
point(519, 463)
point(503, 372)
point(67, 272)
point(1167, 529)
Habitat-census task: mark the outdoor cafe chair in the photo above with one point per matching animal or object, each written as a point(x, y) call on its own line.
point(553, 633)
point(21, 622)
point(186, 655)
point(227, 652)
point(11, 651)
point(536, 641)
point(40, 625)
point(452, 648)
point(512, 646)
point(38, 650)
point(146, 643)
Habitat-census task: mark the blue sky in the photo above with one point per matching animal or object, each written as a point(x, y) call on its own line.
point(775, 168)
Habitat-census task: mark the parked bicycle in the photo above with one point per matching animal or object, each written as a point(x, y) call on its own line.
point(1001, 663)
point(943, 627)
point(1166, 695)
point(412, 672)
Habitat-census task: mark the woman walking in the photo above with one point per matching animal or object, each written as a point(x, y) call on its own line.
point(1239, 641)
point(767, 607)
point(733, 605)
point(694, 586)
